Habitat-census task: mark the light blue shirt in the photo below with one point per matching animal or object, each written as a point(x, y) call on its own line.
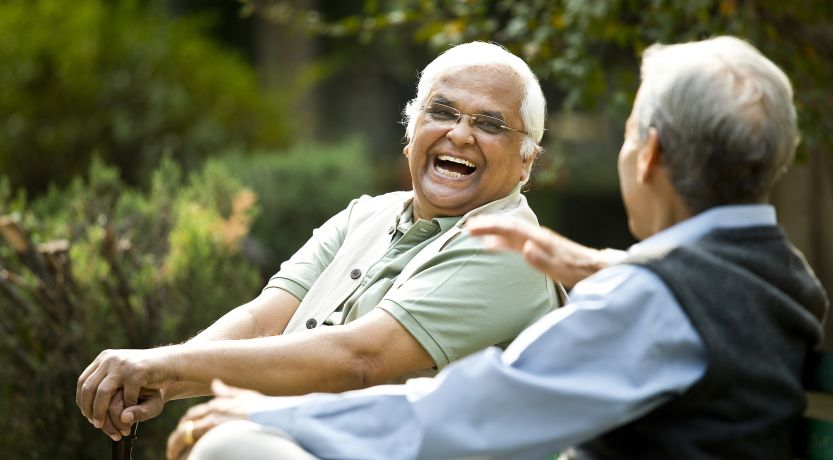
point(620, 348)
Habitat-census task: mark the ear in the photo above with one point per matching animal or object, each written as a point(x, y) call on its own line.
point(406, 150)
point(650, 157)
point(526, 164)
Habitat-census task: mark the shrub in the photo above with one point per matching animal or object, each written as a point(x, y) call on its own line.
point(298, 190)
point(110, 267)
point(124, 79)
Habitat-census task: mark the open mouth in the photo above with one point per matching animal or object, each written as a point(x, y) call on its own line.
point(450, 166)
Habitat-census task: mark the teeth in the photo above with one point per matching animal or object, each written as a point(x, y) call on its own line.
point(456, 160)
point(449, 173)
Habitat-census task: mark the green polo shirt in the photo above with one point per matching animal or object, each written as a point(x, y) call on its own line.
point(462, 300)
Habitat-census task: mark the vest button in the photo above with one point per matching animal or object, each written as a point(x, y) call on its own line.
point(311, 323)
point(355, 273)
point(391, 229)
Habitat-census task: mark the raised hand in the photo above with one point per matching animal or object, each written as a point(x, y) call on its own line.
point(562, 259)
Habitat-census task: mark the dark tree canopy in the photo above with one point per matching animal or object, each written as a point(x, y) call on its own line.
point(588, 50)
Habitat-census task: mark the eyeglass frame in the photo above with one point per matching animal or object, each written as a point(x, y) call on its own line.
point(473, 117)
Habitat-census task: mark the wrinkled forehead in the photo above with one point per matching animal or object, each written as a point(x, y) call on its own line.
point(483, 86)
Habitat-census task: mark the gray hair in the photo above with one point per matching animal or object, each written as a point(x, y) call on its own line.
point(725, 117)
point(533, 110)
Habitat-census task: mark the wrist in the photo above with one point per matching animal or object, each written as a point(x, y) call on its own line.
point(585, 262)
point(185, 374)
point(164, 366)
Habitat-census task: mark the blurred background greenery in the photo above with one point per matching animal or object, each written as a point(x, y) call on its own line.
point(160, 158)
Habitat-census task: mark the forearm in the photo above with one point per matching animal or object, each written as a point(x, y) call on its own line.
point(369, 351)
point(281, 365)
point(234, 325)
point(267, 315)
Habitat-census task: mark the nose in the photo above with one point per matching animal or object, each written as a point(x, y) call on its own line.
point(462, 132)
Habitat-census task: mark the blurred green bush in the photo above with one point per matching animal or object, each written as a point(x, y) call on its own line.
point(124, 79)
point(299, 189)
point(99, 264)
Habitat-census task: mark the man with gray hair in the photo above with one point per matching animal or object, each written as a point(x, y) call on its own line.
point(390, 287)
point(690, 345)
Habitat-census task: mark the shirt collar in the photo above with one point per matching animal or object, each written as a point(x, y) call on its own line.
point(496, 205)
point(446, 223)
point(694, 228)
point(405, 220)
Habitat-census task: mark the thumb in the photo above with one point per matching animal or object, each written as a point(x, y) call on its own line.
point(221, 389)
point(539, 259)
point(145, 410)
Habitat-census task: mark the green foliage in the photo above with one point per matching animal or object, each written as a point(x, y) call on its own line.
point(140, 268)
point(137, 269)
point(124, 79)
point(588, 49)
point(300, 189)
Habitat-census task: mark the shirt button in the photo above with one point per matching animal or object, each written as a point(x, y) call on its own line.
point(355, 273)
point(311, 323)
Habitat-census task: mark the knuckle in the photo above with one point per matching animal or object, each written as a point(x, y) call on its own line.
point(106, 387)
point(88, 387)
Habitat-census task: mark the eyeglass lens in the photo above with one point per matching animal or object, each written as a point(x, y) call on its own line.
point(448, 116)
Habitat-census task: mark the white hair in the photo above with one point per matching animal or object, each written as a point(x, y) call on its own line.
point(533, 110)
point(725, 117)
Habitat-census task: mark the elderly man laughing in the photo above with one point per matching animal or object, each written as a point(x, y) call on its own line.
point(391, 286)
point(692, 347)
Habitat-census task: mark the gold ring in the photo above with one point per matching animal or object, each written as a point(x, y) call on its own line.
point(189, 432)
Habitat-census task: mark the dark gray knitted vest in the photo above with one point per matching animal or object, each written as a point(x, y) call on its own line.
point(757, 307)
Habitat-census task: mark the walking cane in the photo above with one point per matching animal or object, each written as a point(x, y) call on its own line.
point(122, 448)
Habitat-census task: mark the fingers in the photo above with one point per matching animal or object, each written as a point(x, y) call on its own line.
point(111, 430)
point(82, 379)
point(101, 402)
point(502, 233)
point(188, 432)
point(131, 392)
point(89, 390)
point(150, 406)
point(220, 389)
point(199, 411)
point(114, 412)
point(538, 257)
point(176, 442)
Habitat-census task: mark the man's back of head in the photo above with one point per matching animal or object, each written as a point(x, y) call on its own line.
point(725, 118)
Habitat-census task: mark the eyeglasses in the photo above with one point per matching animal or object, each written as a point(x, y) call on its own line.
point(447, 116)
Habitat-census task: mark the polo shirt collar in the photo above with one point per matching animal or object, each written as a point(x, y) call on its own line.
point(446, 223)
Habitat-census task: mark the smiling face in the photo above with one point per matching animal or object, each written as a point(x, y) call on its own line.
point(458, 168)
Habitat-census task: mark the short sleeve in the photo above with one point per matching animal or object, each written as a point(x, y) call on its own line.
point(465, 299)
point(297, 274)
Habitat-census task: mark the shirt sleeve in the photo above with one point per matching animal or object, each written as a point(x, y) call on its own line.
point(297, 274)
point(465, 299)
point(621, 348)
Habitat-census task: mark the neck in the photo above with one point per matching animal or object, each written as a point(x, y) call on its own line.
point(666, 209)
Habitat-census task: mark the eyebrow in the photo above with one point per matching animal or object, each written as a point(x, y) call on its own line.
point(440, 99)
